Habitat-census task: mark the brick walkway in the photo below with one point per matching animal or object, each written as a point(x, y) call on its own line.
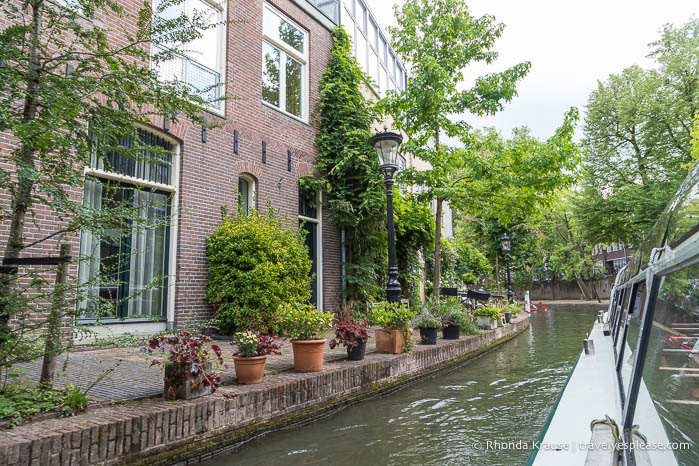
point(133, 378)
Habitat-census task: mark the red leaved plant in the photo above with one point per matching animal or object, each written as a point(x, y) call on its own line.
point(190, 357)
point(349, 332)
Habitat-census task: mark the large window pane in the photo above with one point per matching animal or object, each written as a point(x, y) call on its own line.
point(148, 257)
point(280, 30)
point(361, 17)
point(124, 266)
point(294, 80)
point(670, 369)
point(361, 51)
point(373, 66)
point(270, 74)
point(203, 49)
point(373, 35)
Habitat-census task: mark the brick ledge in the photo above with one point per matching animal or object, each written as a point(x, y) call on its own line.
point(158, 431)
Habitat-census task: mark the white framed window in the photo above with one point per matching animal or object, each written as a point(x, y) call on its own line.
point(310, 217)
point(247, 192)
point(202, 65)
point(361, 50)
point(129, 270)
point(284, 64)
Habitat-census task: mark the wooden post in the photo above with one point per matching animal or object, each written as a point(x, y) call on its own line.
point(53, 321)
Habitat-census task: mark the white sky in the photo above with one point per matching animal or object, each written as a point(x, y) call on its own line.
point(571, 44)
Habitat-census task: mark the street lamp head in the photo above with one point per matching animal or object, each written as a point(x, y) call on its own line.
point(386, 145)
point(506, 242)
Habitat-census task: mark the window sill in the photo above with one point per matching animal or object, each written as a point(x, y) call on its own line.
point(126, 320)
point(284, 112)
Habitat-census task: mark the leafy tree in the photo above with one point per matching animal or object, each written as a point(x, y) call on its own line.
point(462, 263)
point(519, 184)
point(437, 39)
point(348, 165)
point(566, 251)
point(637, 139)
point(414, 236)
point(69, 92)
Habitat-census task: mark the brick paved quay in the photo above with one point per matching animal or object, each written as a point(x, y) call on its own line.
point(157, 431)
point(133, 377)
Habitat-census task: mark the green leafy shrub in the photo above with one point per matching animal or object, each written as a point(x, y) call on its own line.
point(468, 327)
point(514, 308)
point(449, 311)
point(257, 262)
point(303, 321)
point(20, 401)
point(426, 319)
point(392, 316)
point(489, 311)
point(76, 398)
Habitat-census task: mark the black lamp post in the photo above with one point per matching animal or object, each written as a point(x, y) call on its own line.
point(386, 145)
point(506, 243)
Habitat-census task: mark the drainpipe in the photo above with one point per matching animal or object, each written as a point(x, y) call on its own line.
point(344, 258)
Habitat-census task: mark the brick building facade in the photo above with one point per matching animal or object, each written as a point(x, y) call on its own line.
point(265, 143)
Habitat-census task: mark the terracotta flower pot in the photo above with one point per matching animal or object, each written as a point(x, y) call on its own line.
point(308, 355)
point(389, 341)
point(249, 370)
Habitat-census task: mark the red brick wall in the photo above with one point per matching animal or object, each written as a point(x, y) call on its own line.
point(209, 171)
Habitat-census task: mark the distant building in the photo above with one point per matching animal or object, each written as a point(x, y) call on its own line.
point(613, 257)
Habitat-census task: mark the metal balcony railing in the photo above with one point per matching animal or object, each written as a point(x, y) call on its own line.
point(204, 81)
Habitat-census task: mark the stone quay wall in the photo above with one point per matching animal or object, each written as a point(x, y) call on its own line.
point(158, 431)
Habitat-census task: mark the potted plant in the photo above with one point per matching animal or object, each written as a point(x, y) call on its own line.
point(188, 364)
point(511, 310)
point(487, 317)
point(251, 355)
point(352, 334)
point(453, 316)
point(428, 325)
point(395, 320)
point(304, 324)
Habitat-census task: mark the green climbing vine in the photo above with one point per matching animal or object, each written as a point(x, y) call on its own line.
point(347, 163)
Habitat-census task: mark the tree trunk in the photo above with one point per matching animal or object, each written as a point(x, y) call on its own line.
point(583, 287)
point(53, 322)
point(22, 198)
point(437, 246)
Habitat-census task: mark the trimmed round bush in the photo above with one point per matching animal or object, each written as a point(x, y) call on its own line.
point(257, 262)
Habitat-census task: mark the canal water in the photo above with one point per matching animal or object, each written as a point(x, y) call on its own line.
point(454, 417)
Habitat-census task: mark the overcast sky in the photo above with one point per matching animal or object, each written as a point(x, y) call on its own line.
point(571, 44)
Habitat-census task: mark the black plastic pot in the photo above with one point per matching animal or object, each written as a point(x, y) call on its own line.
point(428, 335)
point(357, 353)
point(450, 332)
point(508, 316)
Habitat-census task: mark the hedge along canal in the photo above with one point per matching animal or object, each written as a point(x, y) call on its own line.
point(502, 397)
point(158, 431)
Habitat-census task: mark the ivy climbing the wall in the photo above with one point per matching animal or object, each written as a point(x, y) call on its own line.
point(348, 165)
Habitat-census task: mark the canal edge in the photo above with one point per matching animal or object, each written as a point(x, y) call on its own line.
point(229, 441)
